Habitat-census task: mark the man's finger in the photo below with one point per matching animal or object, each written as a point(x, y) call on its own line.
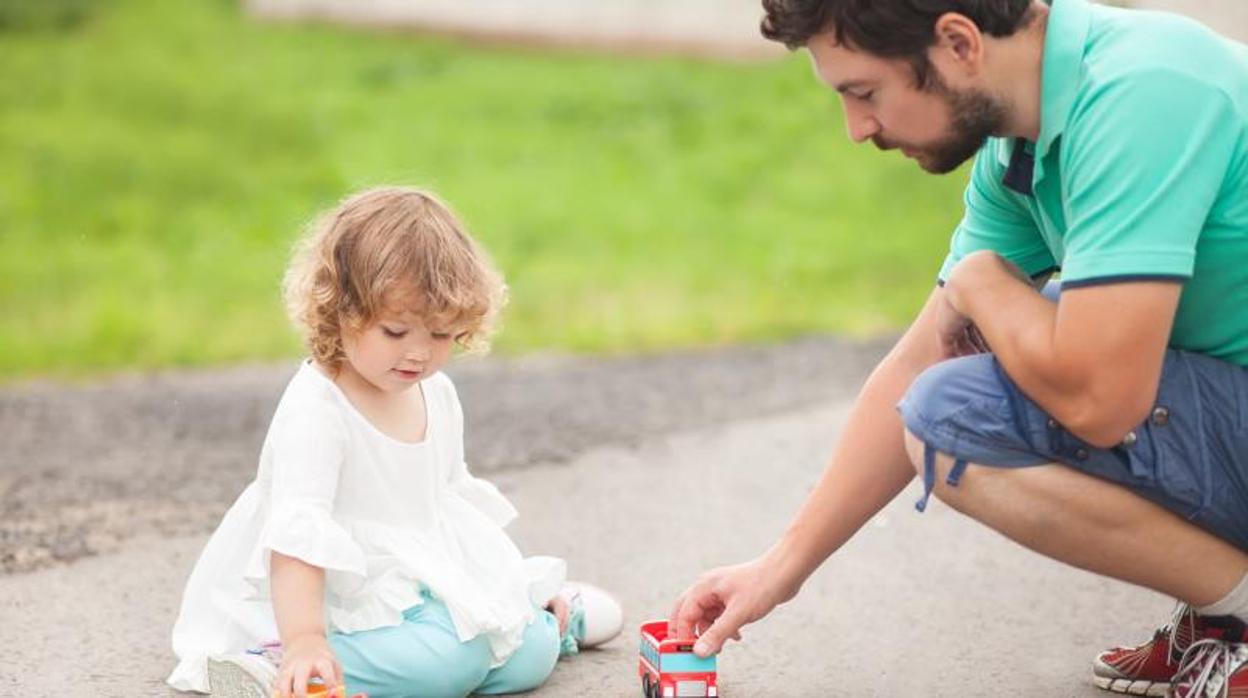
point(673, 625)
point(727, 625)
point(688, 614)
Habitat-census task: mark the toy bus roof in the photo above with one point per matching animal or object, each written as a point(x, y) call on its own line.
point(655, 632)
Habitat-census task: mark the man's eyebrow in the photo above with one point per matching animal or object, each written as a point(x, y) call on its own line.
point(850, 84)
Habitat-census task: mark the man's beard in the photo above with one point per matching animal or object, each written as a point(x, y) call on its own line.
point(974, 116)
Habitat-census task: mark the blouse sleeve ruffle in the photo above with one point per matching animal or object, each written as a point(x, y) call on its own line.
point(484, 497)
point(306, 531)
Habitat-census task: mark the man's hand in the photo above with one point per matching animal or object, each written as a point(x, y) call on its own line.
point(958, 335)
point(722, 601)
point(977, 273)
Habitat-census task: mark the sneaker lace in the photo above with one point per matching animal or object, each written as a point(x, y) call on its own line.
point(1181, 614)
point(1210, 663)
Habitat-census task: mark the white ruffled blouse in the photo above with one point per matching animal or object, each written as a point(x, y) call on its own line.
point(382, 517)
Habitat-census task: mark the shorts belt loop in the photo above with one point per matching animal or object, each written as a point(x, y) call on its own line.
point(929, 476)
point(955, 475)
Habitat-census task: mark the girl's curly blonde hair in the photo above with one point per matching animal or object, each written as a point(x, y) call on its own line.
point(381, 248)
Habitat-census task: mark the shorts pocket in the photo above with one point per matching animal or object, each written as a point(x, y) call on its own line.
point(1176, 431)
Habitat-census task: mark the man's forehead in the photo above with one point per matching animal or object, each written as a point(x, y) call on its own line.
point(842, 67)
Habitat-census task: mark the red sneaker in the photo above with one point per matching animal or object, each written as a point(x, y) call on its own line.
point(1213, 669)
point(1149, 669)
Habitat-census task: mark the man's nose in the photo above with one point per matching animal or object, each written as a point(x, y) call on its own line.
point(861, 126)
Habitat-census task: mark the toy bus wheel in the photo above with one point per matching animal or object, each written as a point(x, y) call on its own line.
point(645, 686)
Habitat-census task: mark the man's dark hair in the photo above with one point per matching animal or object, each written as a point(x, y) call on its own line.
point(902, 29)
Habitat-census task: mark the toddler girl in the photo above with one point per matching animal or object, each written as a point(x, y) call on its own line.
point(364, 544)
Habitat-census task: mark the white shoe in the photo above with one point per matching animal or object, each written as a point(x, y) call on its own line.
point(241, 675)
point(603, 616)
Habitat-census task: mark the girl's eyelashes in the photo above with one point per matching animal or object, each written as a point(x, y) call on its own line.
point(400, 334)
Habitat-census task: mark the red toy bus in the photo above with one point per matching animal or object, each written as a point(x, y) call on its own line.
point(669, 668)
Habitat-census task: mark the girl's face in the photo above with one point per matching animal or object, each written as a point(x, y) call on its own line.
point(398, 350)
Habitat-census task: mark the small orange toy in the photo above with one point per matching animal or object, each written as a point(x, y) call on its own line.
point(316, 689)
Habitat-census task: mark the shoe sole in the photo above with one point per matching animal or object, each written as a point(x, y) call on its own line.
point(1128, 687)
point(229, 680)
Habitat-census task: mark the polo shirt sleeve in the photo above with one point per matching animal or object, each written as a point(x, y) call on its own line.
point(996, 219)
point(1144, 156)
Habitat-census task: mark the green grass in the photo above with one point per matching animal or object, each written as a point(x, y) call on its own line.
point(158, 160)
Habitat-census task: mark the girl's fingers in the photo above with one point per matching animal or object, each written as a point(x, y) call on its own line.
point(325, 669)
point(302, 673)
point(560, 609)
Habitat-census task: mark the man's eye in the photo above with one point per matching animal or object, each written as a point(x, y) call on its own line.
point(441, 335)
point(866, 96)
point(393, 334)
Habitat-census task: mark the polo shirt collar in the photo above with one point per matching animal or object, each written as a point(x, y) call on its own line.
point(1064, 43)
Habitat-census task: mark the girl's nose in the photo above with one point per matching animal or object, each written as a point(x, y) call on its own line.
point(419, 352)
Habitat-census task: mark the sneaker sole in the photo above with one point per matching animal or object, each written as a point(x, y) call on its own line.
point(1132, 688)
point(229, 680)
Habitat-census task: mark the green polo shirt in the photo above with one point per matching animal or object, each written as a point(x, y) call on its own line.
point(1140, 170)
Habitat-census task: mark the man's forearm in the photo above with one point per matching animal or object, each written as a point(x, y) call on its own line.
point(868, 468)
point(1019, 325)
point(1089, 369)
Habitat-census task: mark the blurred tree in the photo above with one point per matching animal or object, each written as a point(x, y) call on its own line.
point(36, 15)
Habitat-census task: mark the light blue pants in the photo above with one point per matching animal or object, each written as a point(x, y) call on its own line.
point(423, 658)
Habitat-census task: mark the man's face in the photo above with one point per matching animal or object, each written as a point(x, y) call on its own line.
point(937, 126)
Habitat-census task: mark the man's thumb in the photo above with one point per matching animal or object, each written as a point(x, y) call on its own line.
point(703, 647)
point(711, 641)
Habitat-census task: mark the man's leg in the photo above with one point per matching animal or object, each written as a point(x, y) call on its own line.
point(1094, 525)
point(1166, 509)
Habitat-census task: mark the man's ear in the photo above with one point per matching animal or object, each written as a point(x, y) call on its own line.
point(959, 45)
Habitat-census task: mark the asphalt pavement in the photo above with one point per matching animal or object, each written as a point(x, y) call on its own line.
point(916, 605)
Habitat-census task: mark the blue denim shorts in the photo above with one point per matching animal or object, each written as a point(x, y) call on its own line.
point(1190, 455)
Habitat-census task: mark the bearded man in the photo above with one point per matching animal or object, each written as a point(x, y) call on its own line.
point(1101, 420)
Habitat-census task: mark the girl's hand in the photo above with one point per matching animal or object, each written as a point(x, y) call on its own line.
point(559, 607)
point(303, 657)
